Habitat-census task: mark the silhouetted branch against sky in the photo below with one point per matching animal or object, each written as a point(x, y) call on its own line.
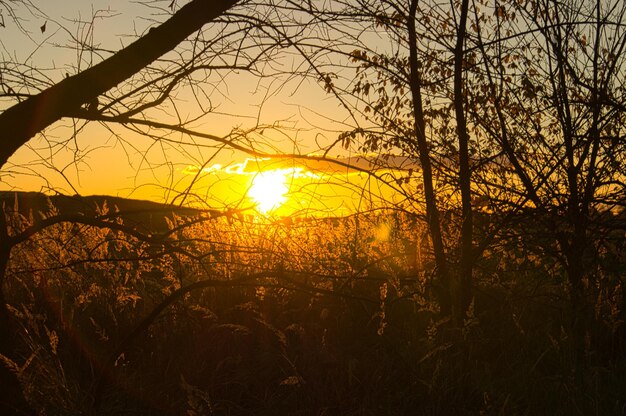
point(177, 91)
point(27, 118)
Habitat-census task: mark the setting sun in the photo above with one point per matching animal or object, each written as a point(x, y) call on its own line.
point(268, 190)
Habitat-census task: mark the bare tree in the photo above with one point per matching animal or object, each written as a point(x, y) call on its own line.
point(554, 73)
point(66, 98)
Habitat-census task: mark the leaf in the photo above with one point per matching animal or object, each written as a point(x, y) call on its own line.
point(292, 381)
point(54, 340)
point(9, 364)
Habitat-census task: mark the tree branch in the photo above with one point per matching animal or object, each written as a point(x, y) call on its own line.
point(27, 118)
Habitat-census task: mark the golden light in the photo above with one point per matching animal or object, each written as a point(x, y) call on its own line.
point(268, 190)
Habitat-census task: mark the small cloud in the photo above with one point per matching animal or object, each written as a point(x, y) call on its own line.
point(190, 170)
point(312, 168)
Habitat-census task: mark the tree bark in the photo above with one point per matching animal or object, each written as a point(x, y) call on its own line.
point(22, 121)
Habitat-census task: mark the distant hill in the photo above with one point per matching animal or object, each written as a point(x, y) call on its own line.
point(143, 214)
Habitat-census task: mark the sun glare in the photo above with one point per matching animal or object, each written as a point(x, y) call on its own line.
point(268, 190)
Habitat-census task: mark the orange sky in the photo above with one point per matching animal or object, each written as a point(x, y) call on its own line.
point(299, 117)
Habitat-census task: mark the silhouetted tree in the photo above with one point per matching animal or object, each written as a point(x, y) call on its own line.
point(409, 98)
point(551, 96)
point(30, 116)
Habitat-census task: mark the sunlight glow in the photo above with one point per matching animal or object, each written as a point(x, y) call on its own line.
point(268, 190)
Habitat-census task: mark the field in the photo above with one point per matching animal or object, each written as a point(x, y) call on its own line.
point(230, 314)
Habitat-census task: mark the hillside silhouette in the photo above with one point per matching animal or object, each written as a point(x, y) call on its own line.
point(142, 214)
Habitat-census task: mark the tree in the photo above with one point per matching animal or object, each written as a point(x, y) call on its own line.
point(515, 109)
point(409, 98)
point(28, 117)
point(555, 107)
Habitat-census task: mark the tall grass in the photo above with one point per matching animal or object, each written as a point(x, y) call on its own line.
point(313, 317)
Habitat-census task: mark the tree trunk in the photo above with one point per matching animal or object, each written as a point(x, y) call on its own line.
point(432, 212)
point(461, 288)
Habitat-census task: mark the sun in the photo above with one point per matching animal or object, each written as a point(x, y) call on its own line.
point(268, 190)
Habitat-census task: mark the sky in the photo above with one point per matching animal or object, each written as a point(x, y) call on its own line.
point(299, 115)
